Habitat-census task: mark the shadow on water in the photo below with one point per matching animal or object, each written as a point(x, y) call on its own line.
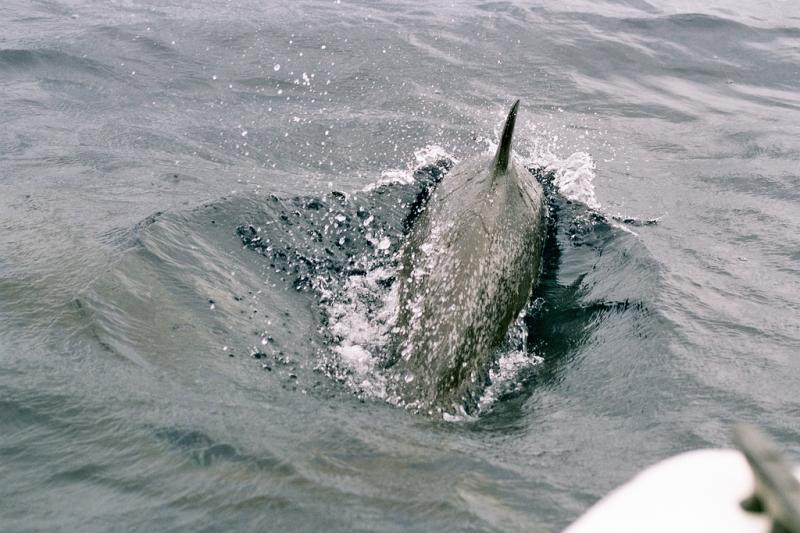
point(561, 317)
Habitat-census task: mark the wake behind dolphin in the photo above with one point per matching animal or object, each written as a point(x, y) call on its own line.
point(467, 270)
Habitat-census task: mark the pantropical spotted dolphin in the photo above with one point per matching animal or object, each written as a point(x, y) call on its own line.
point(466, 271)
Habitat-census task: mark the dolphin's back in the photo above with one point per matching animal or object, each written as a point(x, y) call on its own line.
point(467, 270)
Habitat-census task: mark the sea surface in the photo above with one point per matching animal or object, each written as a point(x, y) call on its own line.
point(200, 207)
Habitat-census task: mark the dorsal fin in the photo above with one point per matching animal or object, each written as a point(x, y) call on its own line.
point(503, 156)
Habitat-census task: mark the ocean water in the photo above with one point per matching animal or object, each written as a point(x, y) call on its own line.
point(199, 206)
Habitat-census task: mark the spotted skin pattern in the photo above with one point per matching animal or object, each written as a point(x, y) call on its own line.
point(467, 270)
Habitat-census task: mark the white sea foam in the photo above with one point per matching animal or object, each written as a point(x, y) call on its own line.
point(360, 314)
point(512, 360)
point(505, 378)
point(391, 177)
point(574, 176)
point(427, 155)
point(430, 154)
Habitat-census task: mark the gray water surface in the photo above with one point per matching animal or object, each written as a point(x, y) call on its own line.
point(138, 136)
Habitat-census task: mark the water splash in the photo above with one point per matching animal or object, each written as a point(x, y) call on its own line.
point(423, 157)
point(351, 263)
point(513, 360)
point(574, 176)
point(358, 316)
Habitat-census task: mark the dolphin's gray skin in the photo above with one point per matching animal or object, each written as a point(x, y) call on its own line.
point(467, 270)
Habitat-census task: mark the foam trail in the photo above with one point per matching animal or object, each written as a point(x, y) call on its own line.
point(574, 176)
point(427, 155)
